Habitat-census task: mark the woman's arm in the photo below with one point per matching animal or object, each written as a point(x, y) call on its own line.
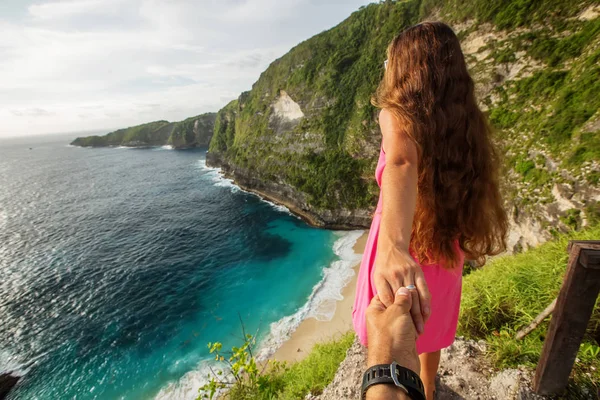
point(394, 266)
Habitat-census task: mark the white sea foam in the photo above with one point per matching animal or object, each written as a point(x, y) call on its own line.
point(219, 180)
point(321, 305)
point(188, 386)
point(3, 218)
point(10, 363)
point(166, 147)
point(124, 147)
point(276, 206)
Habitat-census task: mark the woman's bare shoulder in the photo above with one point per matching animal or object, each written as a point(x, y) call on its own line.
point(397, 144)
point(388, 121)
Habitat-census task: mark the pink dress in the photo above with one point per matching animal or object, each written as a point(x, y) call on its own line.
point(444, 285)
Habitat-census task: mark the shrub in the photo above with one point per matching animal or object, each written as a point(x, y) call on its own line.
point(245, 378)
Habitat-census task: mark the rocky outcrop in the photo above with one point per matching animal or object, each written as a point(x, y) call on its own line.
point(193, 132)
point(7, 382)
point(464, 373)
point(287, 195)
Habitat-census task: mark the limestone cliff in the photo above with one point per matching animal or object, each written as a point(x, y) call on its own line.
point(192, 132)
point(306, 134)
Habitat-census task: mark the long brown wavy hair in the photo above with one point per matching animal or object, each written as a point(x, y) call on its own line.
point(426, 85)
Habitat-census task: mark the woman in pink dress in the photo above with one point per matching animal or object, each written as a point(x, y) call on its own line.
point(439, 200)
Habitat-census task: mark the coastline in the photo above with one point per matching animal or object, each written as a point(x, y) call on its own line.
point(292, 337)
point(303, 215)
point(345, 220)
point(312, 331)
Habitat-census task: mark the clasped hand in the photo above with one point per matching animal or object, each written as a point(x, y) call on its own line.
point(395, 268)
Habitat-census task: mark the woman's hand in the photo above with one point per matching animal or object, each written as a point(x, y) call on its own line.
point(395, 268)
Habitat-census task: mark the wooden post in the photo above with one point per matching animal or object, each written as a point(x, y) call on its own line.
point(574, 307)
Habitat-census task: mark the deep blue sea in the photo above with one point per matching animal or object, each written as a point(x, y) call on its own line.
point(119, 265)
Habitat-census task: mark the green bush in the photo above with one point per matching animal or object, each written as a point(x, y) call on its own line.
point(572, 219)
point(244, 378)
point(524, 167)
point(332, 179)
point(555, 51)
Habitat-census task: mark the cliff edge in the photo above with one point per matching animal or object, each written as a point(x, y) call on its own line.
point(306, 134)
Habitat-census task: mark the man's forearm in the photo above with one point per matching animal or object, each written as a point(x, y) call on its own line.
point(379, 355)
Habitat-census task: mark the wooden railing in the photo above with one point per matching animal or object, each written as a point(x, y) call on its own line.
point(574, 307)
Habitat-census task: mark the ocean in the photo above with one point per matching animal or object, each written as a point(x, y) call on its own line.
point(119, 265)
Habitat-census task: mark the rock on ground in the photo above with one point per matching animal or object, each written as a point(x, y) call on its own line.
point(7, 382)
point(463, 374)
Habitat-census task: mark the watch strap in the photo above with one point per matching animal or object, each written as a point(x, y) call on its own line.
point(396, 375)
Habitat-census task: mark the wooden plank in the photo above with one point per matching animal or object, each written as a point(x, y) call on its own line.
point(571, 316)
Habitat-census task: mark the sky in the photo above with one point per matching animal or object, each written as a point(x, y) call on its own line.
point(88, 65)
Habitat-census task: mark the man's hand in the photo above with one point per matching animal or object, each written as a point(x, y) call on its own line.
point(391, 332)
point(395, 268)
point(392, 337)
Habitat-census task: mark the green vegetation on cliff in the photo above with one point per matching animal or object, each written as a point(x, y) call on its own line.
point(150, 134)
point(192, 132)
point(508, 293)
point(536, 67)
point(331, 76)
point(277, 380)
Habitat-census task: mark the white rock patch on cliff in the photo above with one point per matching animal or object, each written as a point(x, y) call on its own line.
point(592, 12)
point(286, 108)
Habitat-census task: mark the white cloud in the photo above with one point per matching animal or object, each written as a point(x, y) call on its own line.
point(62, 9)
point(93, 64)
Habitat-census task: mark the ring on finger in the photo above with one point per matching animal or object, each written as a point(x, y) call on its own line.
point(411, 287)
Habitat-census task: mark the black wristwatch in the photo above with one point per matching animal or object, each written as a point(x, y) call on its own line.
point(403, 378)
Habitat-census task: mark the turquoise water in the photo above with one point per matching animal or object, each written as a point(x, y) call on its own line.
point(119, 265)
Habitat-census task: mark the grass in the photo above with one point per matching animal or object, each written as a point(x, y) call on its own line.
point(510, 291)
point(317, 370)
point(309, 375)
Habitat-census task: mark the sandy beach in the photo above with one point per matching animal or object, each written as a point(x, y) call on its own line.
point(312, 331)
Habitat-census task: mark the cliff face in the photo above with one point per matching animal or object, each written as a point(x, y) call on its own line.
point(192, 132)
point(150, 134)
point(306, 134)
point(288, 195)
